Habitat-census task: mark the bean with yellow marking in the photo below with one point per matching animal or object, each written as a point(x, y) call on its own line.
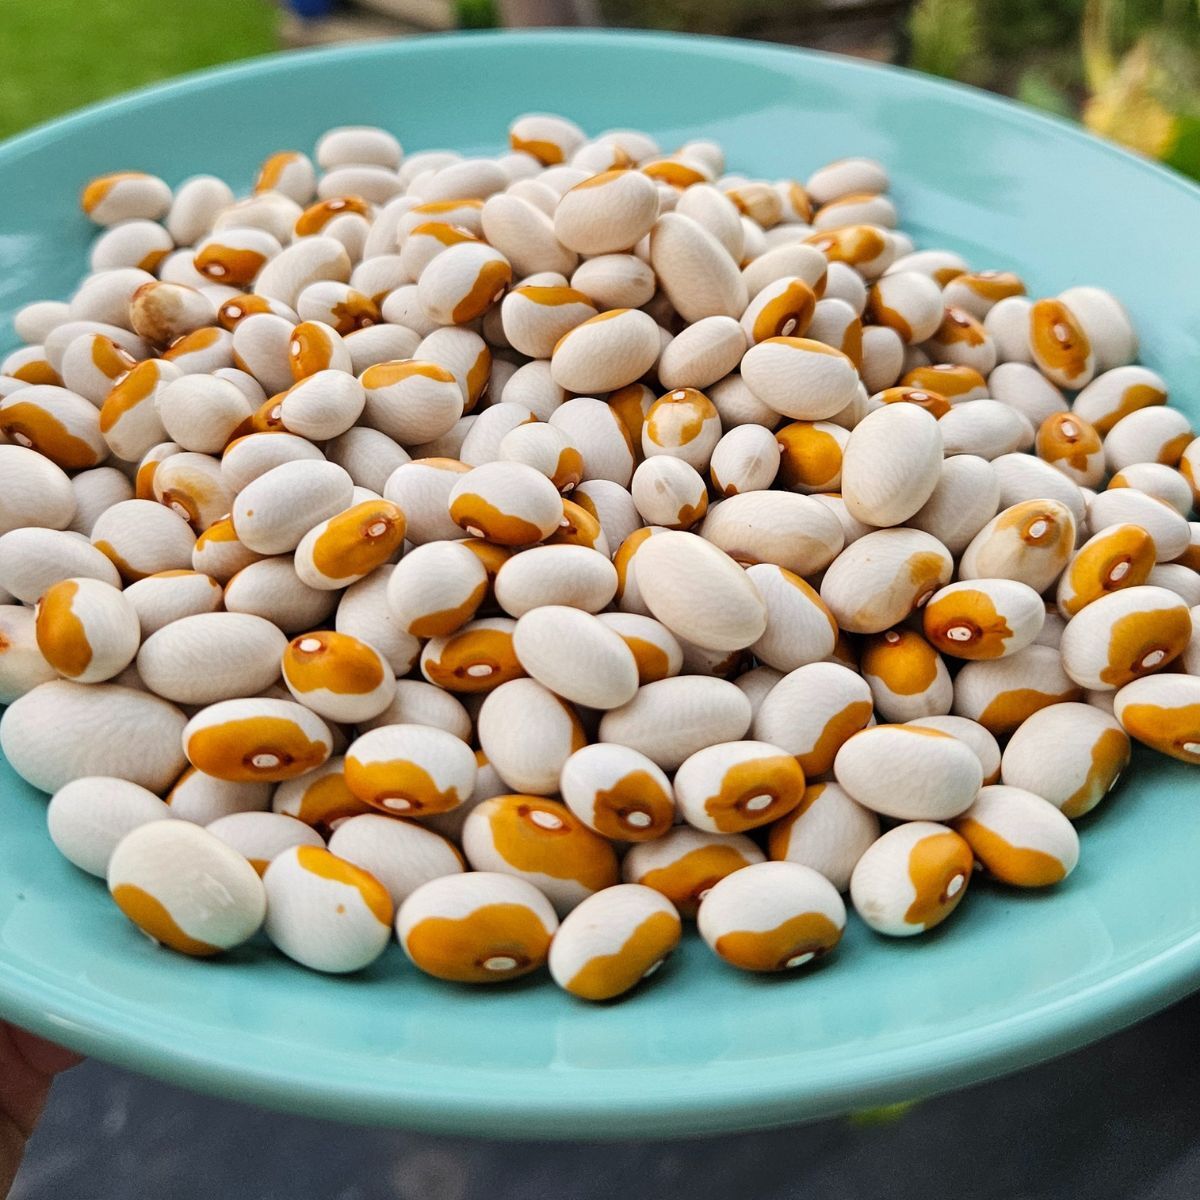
point(735, 786)
point(685, 864)
point(1069, 754)
point(613, 940)
point(827, 831)
point(338, 676)
point(480, 927)
point(349, 546)
point(911, 879)
point(324, 912)
point(410, 770)
point(1019, 838)
point(506, 502)
point(542, 842)
point(86, 630)
point(1125, 635)
point(983, 618)
point(1121, 556)
point(772, 916)
point(1163, 712)
point(257, 739)
point(1001, 693)
point(185, 888)
point(907, 676)
point(320, 798)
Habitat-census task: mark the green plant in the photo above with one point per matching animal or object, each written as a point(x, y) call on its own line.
point(946, 38)
point(476, 14)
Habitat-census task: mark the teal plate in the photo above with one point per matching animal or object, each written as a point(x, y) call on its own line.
point(1012, 979)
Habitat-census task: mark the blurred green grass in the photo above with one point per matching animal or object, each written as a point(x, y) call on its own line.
point(58, 54)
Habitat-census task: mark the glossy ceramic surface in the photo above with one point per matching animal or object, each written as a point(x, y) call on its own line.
point(1013, 978)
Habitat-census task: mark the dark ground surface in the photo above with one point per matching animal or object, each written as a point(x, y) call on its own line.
point(1117, 1121)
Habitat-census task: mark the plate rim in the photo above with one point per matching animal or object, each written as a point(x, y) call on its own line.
point(750, 1095)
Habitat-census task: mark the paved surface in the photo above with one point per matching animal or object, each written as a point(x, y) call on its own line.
point(1118, 1121)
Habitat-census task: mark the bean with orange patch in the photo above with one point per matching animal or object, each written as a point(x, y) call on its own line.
point(1124, 635)
point(90, 365)
point(1157, 480)
point(983, 618)
point(542, 842)
point(1071, 755)
point(1150, 435)
point(856, 208)
point(613, 940)
point(1067, 442)
point(940, 265)
point(1030, 542)
point(436, 589)
point(1019, 838)
point(979, 291)
point(882, 577)
point(185, 888)
point(1060, 346)
point(962, 340)
point(476, 658)
point(735, 786)
point(256, 739)
point(320, 798)
point(1117, 557)
point(506, 502)
point(908, 302)
point(827, 831)
point(906, 675)
point(1000, 693)
point(773, 916)
point(547, 449)
point(669, 492)
point(933, 403)
point(349, 546)
point(59, 424)
point(606, 352)
point(810, 456)
point(338, 676)
point(1163, 712)
point(800, 377)
point(411, 400)
point(618, 792)
point(410, 770)
point(1126, 505)
point(479, 927)
point(86, 630)
point(463, 282)
point(235, 256)
point(954, 381)
point(125, 195)
point(812, 711)
point(685, 864)
point(869, 249)
point(341, 306)
point(314, 347)
point(30, 365)
point(912, 878)
point(1114, 394)
point(325, 912)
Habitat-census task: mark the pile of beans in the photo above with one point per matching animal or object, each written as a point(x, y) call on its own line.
point(527, 554)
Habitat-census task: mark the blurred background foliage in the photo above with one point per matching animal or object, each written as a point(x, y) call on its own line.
point(1129, 69)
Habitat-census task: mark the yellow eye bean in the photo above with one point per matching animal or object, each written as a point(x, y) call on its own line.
point(911, 879)
point(906, 675)
point(686, 864)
